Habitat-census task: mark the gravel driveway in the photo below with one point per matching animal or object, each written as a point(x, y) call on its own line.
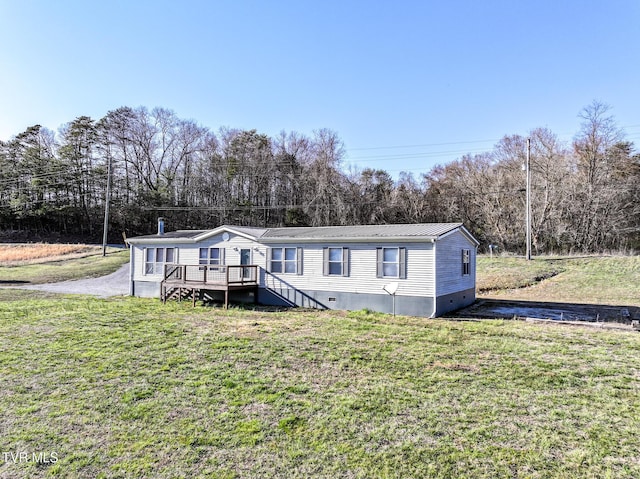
point(114, 284)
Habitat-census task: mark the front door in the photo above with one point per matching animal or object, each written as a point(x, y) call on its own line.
point(245, 259)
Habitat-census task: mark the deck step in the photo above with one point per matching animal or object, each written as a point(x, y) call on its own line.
point(178, 294)
point(202, 292)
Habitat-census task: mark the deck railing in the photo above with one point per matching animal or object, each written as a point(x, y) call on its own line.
point(211, 274)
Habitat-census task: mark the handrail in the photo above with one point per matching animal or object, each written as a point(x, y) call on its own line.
point(211, 274)
point(170, 271)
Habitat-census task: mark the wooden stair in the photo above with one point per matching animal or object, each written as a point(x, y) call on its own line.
point(180, 293)
point(177, 293)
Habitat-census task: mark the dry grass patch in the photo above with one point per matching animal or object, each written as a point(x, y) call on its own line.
point(20, 254)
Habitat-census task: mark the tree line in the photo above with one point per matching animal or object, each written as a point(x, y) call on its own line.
point(585, 195)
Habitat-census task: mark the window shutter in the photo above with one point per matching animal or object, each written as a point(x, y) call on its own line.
point(268, 260)
point(325, 261)
point(221, 257)
point(299, 258)
point(402, 273)
point(379, 256)
point(345, 261)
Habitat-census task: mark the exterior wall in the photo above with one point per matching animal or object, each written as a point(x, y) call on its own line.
point(449, 264)
point(189, 253)
point(453, 289)
point(137, 262)
point(362, 270)
point(454, 301)
point(146, 289)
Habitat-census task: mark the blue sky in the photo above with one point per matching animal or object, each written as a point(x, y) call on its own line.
point(405, 84)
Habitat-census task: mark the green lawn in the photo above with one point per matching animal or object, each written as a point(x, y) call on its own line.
point(132, 388)
point(611, 280)
point(91, 266)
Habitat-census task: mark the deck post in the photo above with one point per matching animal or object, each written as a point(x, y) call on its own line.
point(226, 296)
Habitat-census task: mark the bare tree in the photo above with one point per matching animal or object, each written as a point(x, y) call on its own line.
point(551, 184)
point(594, 167)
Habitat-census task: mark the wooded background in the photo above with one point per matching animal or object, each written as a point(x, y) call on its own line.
point(585, 195)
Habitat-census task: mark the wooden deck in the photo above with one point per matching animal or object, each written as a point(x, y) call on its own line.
point(182, 281)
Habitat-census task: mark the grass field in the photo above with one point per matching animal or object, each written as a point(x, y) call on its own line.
point(130, 388)
point(79, 261)
point(613, 280)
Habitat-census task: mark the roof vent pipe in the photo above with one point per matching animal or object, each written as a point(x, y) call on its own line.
point(160, 226)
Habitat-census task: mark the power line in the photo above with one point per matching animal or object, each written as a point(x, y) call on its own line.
point(392, 157)
point(429, 145)
point(423, 145)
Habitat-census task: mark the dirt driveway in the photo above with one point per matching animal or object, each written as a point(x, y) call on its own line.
point(114, 284)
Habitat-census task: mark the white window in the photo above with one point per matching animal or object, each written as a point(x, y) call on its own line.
point(391, 263)
point(336, 261)
point(285, 260)
point(156, 258)
point(466, 262)
point(211, 256)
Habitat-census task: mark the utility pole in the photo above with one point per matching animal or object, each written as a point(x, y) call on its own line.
point(107, 200)
point(528, 221)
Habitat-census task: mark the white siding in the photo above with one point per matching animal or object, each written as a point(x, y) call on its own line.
point(189, 253)
point(449, 264)
point(362, 274)
point(138, 262)
point(362, 268)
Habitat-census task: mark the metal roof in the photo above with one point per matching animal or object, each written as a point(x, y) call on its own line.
point(406, 232)
point(429, 230)
point(179, 234)
point(247, 230)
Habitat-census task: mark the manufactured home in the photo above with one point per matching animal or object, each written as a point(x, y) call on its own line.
point(410, 269)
